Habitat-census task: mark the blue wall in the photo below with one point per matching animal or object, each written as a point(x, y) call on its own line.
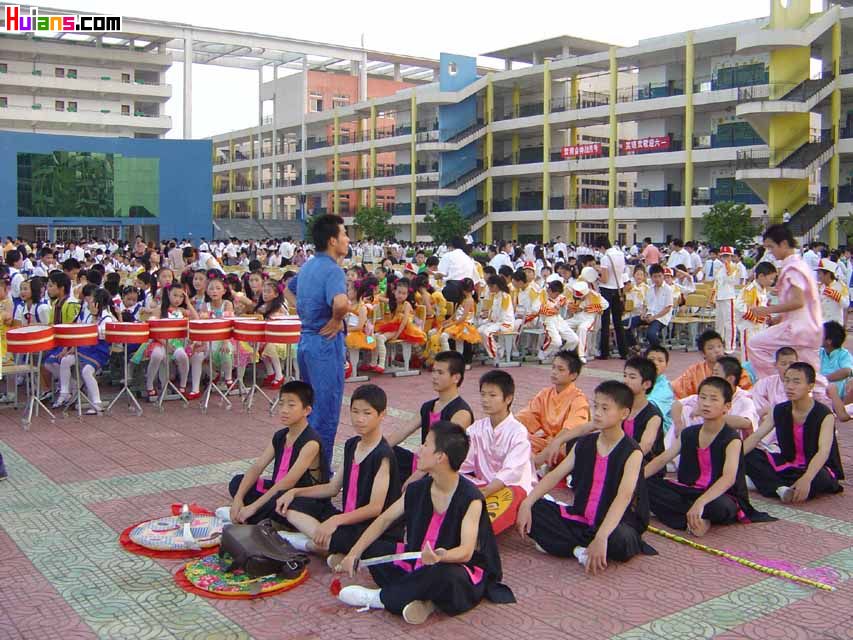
point(186, 181)
point(453, 118)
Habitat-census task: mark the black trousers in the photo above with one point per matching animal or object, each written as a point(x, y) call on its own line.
point(559, 536)
point(448, 586)
point(670, 503)
point(268, 510)
point(615, 312)
point(767, 479)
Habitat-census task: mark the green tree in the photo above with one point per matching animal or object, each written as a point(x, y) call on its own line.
point(729, 223)
point(374, 222)
point(447, 222)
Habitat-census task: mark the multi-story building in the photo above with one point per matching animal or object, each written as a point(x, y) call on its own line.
point(86, 85)
point(750, 112)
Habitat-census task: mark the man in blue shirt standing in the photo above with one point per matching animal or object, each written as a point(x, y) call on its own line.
point(321, 302)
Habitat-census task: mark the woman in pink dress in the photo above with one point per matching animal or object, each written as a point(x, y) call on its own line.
point(797, 317)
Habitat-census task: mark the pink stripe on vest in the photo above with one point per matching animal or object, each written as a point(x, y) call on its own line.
point(352, 489)
point(628, 426)
point(283, 468)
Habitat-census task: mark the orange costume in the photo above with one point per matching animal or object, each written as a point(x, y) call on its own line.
point(411, 332)
point(549, 412)
point(687, 384)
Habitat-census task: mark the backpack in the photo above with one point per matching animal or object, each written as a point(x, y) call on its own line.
point(258, 550)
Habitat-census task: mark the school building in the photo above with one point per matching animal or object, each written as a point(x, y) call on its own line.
point(575, 137)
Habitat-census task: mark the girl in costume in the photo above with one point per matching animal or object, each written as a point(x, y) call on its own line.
point(200, 286)
point(221, 352)
point(499, 315)
point(460, 328)
point(402, 322)
point(92, 358)
point(270, 306)
point(360, 335)
point(174, 304)
point(32, 310)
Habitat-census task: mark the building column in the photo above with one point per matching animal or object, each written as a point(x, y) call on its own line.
point(488, 194)
point(835, 114)
point(260, 208)
point(516, 100)
point(372, 168)
point(413, 159)
point(574, 192)
point(612, 182)
point(688, 136)
point(188, 85)
point(274, 143)
point(336, 138)
point(508, 65)
point(304, 136)
point(362, 78)
point(546, 151)
point(514, 232)
point(231, 179)
point(397, 76)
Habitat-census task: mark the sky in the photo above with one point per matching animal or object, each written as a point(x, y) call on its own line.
point(226, 99)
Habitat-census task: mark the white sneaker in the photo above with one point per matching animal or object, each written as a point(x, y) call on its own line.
point(297, 540)
point(224, 514)
point(786, 494)
point(750, 484)
point(417, 611)
point(362, 597)
point(539, 549)
point(581, 555)
point(61, 401)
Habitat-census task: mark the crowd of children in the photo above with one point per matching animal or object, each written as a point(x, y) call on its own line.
point(683, 452)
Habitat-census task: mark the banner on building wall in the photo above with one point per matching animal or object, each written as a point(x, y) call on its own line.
point(590, 150)
point(657, 143)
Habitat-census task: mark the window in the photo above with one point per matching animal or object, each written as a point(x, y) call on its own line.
point(59, 72)
point(71, 73)
point(59, 105)
point(3, 67)
point(4, 102)
point(72, 106)
point(125, 77)
point(340, 101)
point(125, 109)
point(315, 103)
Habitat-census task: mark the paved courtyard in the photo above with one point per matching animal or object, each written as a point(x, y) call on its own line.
point(74, 486)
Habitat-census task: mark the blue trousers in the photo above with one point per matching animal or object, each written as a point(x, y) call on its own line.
point(321, 364)
point(653, 332)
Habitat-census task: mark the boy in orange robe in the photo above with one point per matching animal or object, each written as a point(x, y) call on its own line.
point(710, 343)
point(562, 406)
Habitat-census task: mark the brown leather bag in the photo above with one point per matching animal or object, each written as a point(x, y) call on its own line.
point(258, 550)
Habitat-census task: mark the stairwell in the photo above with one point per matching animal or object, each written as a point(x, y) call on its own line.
point(806, 154)
point(807, 217)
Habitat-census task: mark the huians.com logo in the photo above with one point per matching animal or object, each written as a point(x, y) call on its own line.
point(17, 21)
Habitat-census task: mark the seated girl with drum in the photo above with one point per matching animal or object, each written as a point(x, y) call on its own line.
point(271, 305)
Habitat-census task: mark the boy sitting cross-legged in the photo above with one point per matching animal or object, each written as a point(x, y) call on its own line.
point(368, 477)
point(445, 519)
point(610, 509)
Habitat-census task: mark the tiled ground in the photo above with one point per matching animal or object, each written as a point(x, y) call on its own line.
point(74, 485)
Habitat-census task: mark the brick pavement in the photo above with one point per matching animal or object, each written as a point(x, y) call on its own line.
point(74, 485)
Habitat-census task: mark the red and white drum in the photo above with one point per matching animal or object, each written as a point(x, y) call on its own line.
point(76, 335)
point(211, 330)
point(167, 328)
point(126, 332)
point(249, 330)
point(29, 339)
point(284, 330)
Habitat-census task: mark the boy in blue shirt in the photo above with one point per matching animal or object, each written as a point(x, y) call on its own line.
point(836, 363)
point(662, 395)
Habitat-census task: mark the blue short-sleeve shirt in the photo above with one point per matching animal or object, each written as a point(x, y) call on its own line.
point(832, 362)
point(315, 286)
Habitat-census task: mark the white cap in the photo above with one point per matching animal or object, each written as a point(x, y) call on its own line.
point(589, 274)
point(580, 288)
point(827, 265)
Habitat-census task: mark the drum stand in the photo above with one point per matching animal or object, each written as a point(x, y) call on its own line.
point(169, 383)
point(78, 400)
point(288, 375)
point(34, 388)
point(211, 385)
point(125, 388)
point(250, 394)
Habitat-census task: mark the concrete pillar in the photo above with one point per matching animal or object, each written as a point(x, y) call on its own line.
point(362, 78)
point(188, 85)
point(508, 65)
point(260, 137)
point(304, 129)
point(397, 76)
point(274, 143)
